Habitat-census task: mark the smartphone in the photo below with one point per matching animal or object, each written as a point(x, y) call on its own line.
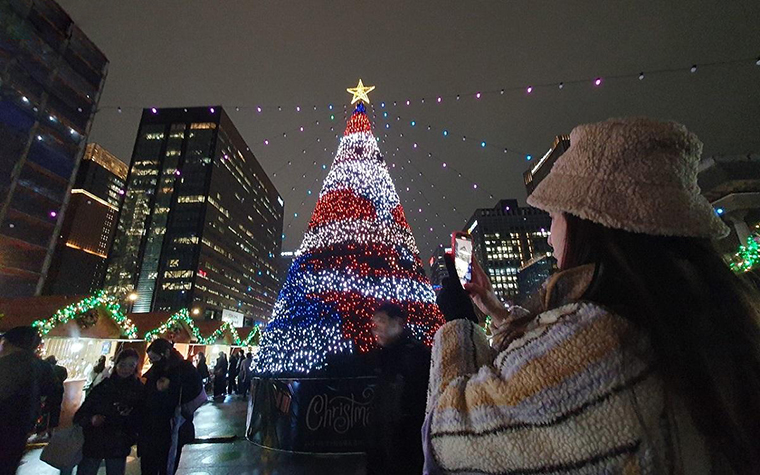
point(461, 248)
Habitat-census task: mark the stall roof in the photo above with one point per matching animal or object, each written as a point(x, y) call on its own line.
point(245, 332)
point(148, 321)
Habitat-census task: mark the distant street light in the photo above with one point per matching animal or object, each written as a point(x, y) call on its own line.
point(131, 299)
point(196, 311)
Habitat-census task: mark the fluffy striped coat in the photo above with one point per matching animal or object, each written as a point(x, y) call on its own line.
point(574, 391)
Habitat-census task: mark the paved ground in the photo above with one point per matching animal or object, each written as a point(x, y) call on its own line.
point(221, 449)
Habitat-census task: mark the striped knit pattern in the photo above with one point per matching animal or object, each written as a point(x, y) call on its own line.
point(571, 395)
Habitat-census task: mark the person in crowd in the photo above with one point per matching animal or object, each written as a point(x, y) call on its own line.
point(233, 370)
point(170, 382)
point(220, 375)
point(98, 374)
point(401, 364)
point(55, 401)
point(203, 367)
point(246, 372)
point(110, 417)
point(640, 355)
point(25, 381)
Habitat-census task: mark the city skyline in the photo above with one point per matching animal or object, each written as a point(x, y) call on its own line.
point(269, 55)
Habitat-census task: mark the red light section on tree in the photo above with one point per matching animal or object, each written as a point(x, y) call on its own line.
point(356, 311)
point(399, 217)
point(358, 123)
point(365, 260)
point(341, 205)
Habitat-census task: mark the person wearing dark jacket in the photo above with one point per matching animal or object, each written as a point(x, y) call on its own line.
point(246, 373)
point(25, 381)
point(203, 367)
point(110, 417)
point(54, 402)
point(220, 375)
point(170, 382)
point(234, 368)
point(402, 365)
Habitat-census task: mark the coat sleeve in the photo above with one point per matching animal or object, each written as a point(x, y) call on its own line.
point(555, 397)
point(85, 412)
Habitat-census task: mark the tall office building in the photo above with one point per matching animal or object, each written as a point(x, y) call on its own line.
point(532, 275)
point(78, 265)
point(505, 238)
point(51, 77)
point(541, 167)
point(201, 224)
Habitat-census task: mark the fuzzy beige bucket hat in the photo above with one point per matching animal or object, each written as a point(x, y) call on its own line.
point(635, 174)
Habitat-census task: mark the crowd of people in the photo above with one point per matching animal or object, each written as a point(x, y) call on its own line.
point(231, 377)
point(640, 355)
point(120, 408)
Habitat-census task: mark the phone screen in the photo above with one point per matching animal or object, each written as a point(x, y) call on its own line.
point(462, 250)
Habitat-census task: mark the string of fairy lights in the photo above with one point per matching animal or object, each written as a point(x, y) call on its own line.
point(394, 116)
point(528, 89)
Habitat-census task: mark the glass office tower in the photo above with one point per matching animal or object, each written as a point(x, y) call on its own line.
point(201, 224)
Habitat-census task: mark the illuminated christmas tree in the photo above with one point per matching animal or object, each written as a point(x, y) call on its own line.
point(357, 252)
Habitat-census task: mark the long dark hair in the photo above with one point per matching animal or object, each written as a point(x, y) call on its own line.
point(701, 318)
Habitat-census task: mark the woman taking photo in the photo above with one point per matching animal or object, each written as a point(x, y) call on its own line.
point(639, 356)
point(110, 417)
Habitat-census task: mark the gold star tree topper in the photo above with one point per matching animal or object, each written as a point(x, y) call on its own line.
point(360, 92)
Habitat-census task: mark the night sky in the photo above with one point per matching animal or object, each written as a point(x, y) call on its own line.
point(253, 53)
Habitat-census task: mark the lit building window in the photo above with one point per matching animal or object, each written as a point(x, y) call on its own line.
point(186, 240)
point(176, 286)
point(203, 125)
point(192, 199)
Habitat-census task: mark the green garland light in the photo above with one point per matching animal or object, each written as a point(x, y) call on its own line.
point(747, 257)
point(100, 299)
point(253, 334)
point(183, 316)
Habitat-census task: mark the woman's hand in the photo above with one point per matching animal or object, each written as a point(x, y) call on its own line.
point(162, 384)
point(481, 292)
